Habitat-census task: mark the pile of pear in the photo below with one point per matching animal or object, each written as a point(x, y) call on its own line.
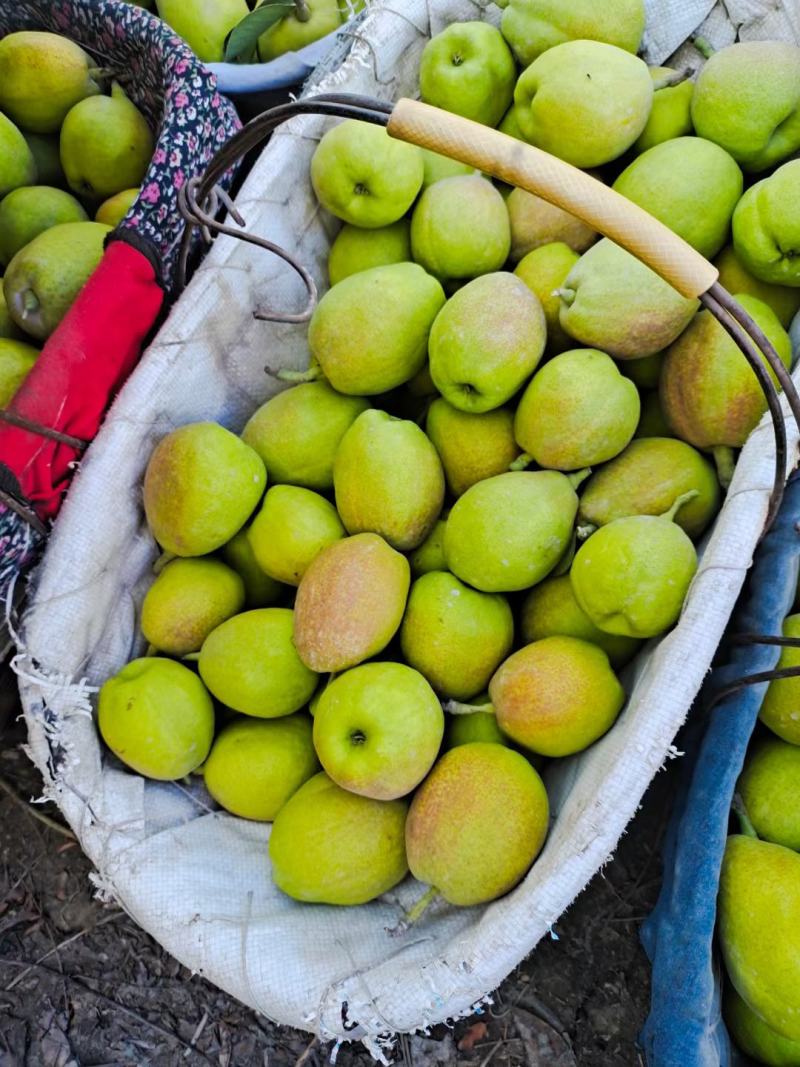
point(415, 575)
point(73, 152)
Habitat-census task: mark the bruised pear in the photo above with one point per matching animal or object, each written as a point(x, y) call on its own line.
point(388, 479)
point(350, 602)
point(471, 447)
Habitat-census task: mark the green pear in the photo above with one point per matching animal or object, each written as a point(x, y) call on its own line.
point(298, 431)
point(460, 228)
point(535, 222)
point(330, 846)
point(454, 636)
point(758, 915)
point(47, 156)
point(486, 342)
point(106, 146)
point(430, 554)
point(747, 99)
point(42, 76)
point(551, 610)
point(369, 333)
point(256, 765)
point(260, 590)
point(754, 1037)
point(156, 716)
point(355, 249)
point(779, 710)
point(577, 411)
point(646, 479)
point(652, 422)
point(290, 530)
point(468, 68)
point(509, 125)
point(189, 599)
point(766, 231)
point(556, 696)
point(671, 113)
point(464, 729)
point(27, 212)
point(9, 328)
point(113, 211)
point(17, 165)
point(544, 271)
point(377, 730)
point(388, 479)
point(200, 487)
point(203, 24)
point(471, 447)
point(691, 185)
point(769, 786)
point(631, 576)
point(584, 101)
point(250, 664)
point(613, 302)
point(644, 373)
point(16, 360)
point(533, 26)
point(506, 533)
point(44, 278)
point(307, 22)
point(735, 277)
point(438, 167)
point(350, 602)
point(476, 823)
point(364, 176)
point(709, 393)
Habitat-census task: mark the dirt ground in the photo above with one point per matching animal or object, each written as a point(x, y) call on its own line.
point(82, 986)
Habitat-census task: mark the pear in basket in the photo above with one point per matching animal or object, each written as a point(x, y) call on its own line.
point(189, 599)
point(631, 576)
point(377, 729)
point(388, 479)
point(16, 360)
point(758, 913)
point(17, 165)
point(597, 423)
point(260, 590)
point(709, 393)
point(735, 277)
point(765, 232)
point(613, 302)
point(670, 115)
point(779, 710)
point(471, 447)
point(475, 825)
point(42, 76)
point(355, 249)
point(754, 1037)
point(47, 156)
point(430, 554)
point(203, 26)
point(468, 69)
point(463, 729)
point(27, 212)
point(486, 341)
point(769, 786)
point(200, 487)
point(533, 26)
point(291, 529)
point(310, 20)
point(455, 636)
point(535, 222)
point(544, 271)
point(331, 846)
point(350, 602)
point(438, 167)
point(114, 210)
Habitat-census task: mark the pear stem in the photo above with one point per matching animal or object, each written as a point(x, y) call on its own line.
point(151, 650)
point(190, 657)
point(302, 12)
point(576, 477)
point(103, 73)
point(585, 531)
point(313, 374)
point(567, 295)
point(745, 824)
point(684, 498)
point(703, 46)
point(162, 561)
point(726, 463)
point(675, 77)
point(521, 463)
point(415, 912)
point(455, 707)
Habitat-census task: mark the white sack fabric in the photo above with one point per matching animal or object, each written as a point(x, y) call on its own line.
point(198, 879)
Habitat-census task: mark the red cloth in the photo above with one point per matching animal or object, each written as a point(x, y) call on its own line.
point(82, 366)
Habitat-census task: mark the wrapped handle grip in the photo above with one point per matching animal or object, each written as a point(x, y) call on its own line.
point(559, 183)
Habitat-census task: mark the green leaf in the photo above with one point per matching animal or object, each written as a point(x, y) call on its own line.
point(241, 43)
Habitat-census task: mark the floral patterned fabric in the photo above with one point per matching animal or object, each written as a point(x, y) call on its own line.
point(164, 78)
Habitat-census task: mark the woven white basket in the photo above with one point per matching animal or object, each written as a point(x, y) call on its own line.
point(198, 880)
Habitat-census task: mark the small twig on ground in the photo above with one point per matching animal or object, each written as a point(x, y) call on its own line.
point(490, 1054)
point(60, 945)
point(196, 1035)
point(53, 824)
point(303, 1057)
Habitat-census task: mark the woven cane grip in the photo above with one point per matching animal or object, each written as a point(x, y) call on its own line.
point(559, 183)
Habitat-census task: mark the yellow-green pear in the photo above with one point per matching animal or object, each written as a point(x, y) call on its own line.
point(250, 664)
point(736, 278)
point(476, 823)
point(203, 24)
point(438, 167)
point(305, 22)
point(551, 610)
point(388, 480)
point(584, 101)
point(430, 554)
point(780, 708)
point(766, 232)
point(44, 278)
point(17, 165)
point(261, 591)
point(769, 786)
point(533, 26)
point(189, 599)
point(556, 696)
point(156, 716)
point(330, 846)
point(752, 1035)
point(350, 602)
point(298, 431)
point(468, 68)
point(114, 210)
point(200, 487)
point(16, 360)
point(544, 271)
point(47, 157)
point(369, 333)
point(291, 529)
point(455, 636)
point(42, 76)
point(256, 765)
point(471, 447)
point(27, 212)
point(463, 729)
point(355, 249)
point(106, 146)
point(671, 113)
point(535, 222)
